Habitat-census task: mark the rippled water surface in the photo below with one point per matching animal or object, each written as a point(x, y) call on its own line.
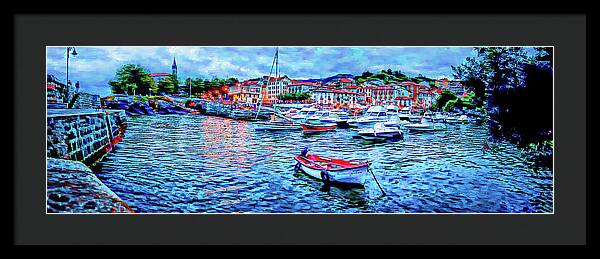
point(195, 163)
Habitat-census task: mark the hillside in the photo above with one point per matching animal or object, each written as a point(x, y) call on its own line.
point(389, 76)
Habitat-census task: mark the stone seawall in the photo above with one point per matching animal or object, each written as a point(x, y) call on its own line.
point(73, 188)
point(76, 139)
point(87, 101)
point(83, 135)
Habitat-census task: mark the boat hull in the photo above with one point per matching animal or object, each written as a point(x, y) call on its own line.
point(423, 127)
point(317, 128)
point(385, 135)
point(344, 124)
point(351, 176)
point(267, 127)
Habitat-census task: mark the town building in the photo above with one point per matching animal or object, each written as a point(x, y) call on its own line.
point(402, 97)
point(331, 96)
point(383, 95)
point(366, 94)
point(344, 81)
point(300, 87)
point(427, 96)
point(246, 92)
point(273, 87)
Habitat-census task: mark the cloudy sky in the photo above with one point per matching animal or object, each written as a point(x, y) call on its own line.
point(93, 67)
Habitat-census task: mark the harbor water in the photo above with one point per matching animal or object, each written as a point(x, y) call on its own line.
point(205, 164)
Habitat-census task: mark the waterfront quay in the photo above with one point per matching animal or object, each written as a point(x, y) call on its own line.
point(73, 188)
point(76, 139)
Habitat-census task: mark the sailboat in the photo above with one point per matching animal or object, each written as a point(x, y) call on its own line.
point(278, 121)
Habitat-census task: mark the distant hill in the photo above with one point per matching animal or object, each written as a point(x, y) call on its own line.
point(331, 78)
point(389, 76)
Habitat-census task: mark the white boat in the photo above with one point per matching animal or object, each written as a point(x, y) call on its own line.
point(304, 113)
point(332, 170)
point(404, 113)
point(291, 112)
point(380, 131)
point(318, 115)
point(392, 109)
point(395, 121)
point(414, 118)
point(373, 115)
point(425, 125)
point(276, 126)
point(463, 119)
point(438, 117)
point(451, 119)
point(335, 116)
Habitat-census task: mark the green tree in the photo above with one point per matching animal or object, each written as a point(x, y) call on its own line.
point(198, 85)
point(449, 106)
point(175, 83)
point(131, 87)
point(129, 75)
point(516, 88)
point(443, 98)
point(166, 85)
point(153, 87)
point(295, 96)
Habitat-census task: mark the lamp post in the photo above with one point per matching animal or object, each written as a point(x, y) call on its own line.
point(69, 53)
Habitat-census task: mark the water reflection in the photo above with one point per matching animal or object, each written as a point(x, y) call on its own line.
point(174, 163)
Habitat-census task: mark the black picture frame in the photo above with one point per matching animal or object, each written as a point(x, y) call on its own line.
point(567, 33)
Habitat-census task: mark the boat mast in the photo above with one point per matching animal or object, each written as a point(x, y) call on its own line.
point(273, 64)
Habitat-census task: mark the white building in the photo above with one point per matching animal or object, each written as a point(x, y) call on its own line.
point(275, 86)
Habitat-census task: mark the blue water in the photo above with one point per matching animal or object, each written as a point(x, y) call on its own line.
point(196, 163)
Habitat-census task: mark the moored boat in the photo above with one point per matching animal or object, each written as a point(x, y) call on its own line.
point(425, 125)
point(310, 128)
point(404, 113)
point(394, 121)
point(438, 117)
point(373, 115)
point(334, 117)
point(276, 126)
point(414, 118)
point(304, 113)
point(392, 110)
point(318, 116)
point(332, 170)
point(463, 119)
point(451, 119)
point(380, 131)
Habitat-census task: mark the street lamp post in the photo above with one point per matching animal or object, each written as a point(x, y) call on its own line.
point(74, 53)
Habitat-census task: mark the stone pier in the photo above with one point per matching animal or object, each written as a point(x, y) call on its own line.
point(84, 135)
point(76, 139)
point(73, 188)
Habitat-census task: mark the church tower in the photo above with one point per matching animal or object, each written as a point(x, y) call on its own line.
point(174, 67)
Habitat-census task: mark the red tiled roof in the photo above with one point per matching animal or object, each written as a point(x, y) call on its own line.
point(351, 87)
point(345, 80)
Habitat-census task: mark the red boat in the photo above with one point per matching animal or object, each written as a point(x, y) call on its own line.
point(333, 170)
point(317, 127)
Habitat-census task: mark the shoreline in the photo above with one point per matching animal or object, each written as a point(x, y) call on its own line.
point(77, 139)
